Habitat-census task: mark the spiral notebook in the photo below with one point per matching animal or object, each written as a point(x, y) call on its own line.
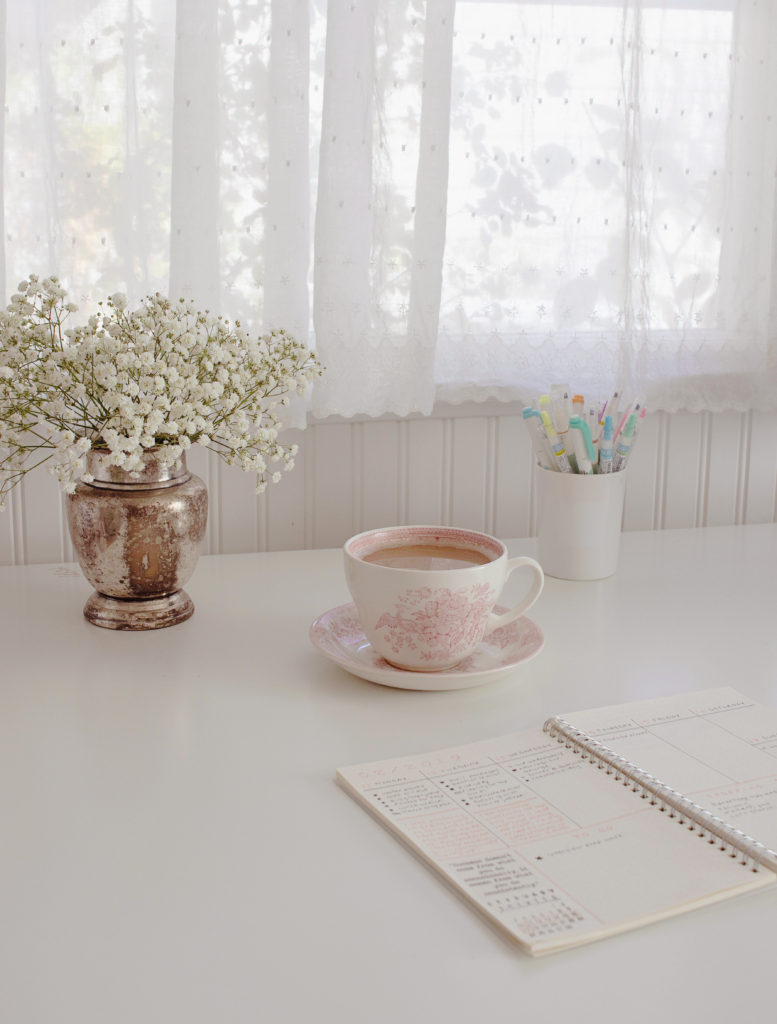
point(600, 821)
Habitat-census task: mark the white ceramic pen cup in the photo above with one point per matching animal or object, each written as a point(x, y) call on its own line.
point(579, 523)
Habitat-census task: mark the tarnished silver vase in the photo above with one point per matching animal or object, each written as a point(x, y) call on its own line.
point(138, 540)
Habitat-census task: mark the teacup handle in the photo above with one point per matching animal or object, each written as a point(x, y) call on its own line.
point(495, 621)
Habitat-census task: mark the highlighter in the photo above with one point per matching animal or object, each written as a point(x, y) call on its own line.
point(543, 453)
point(558, 448)
point(584, 449)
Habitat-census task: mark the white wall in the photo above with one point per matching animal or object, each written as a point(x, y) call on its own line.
point(471, 467)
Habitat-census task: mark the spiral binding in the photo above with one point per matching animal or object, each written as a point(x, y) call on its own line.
point(719, 833)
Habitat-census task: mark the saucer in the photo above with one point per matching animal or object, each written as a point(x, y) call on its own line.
point(339, 635)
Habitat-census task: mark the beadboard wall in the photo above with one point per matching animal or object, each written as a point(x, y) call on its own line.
point(469, 468)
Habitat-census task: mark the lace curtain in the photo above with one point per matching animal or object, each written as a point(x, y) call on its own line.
point(456, 200)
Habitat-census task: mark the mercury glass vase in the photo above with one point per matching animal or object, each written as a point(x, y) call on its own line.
point(137, 539)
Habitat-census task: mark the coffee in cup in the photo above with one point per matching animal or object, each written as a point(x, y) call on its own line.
point(425, 594)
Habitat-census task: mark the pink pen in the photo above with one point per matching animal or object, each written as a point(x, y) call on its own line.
point(633, 410)
point(610, 408)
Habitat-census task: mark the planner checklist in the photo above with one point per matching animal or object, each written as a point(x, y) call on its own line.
point(598, 822)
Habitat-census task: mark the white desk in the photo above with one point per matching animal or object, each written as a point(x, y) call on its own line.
point(174, 848)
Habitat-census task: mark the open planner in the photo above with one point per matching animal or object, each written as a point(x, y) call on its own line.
point(598, 822)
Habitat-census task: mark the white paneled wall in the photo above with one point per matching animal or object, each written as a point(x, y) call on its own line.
point(468, 469)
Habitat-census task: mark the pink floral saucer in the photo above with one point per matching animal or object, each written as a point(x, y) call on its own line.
point(339, 636)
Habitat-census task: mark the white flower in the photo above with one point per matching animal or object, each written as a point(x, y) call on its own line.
point(163, 375)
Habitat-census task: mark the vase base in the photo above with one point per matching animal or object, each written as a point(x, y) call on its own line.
point(148, 613)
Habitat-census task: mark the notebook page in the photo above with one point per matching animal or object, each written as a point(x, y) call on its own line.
point(549, 848)
point(717, 747)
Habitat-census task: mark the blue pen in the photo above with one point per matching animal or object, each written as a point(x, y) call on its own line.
point(606, 450)
point(584, 449)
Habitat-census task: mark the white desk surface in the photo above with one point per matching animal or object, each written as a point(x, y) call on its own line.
point(175, 849)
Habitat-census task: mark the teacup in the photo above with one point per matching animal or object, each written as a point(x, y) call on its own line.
point(425, 594)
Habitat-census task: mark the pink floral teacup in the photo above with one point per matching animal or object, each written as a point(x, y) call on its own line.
point(425, 594)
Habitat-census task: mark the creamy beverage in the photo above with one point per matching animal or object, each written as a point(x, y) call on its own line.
point(427, 556)
point(426, 595)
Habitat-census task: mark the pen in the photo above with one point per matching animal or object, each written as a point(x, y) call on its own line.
point(544, 405)
point(606, 450)
point(561, 408)
point(540, 445)
point(624, 443)
point(584, 449)
point(610, 408)
point(633, 410)
point(558, 448)
point(578, 405)
point(593, 424)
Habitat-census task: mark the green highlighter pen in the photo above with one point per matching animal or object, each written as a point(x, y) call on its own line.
point(584, 449)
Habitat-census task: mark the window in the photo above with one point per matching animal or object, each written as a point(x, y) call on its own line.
point(456, 200)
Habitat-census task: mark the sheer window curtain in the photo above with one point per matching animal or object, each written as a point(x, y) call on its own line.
point(579, 191)
point(153, 145)
point(456, 200)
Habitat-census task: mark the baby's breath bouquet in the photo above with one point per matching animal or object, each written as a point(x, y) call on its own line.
point(163, 376)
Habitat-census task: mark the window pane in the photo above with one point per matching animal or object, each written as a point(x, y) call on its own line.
point(585, 186)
